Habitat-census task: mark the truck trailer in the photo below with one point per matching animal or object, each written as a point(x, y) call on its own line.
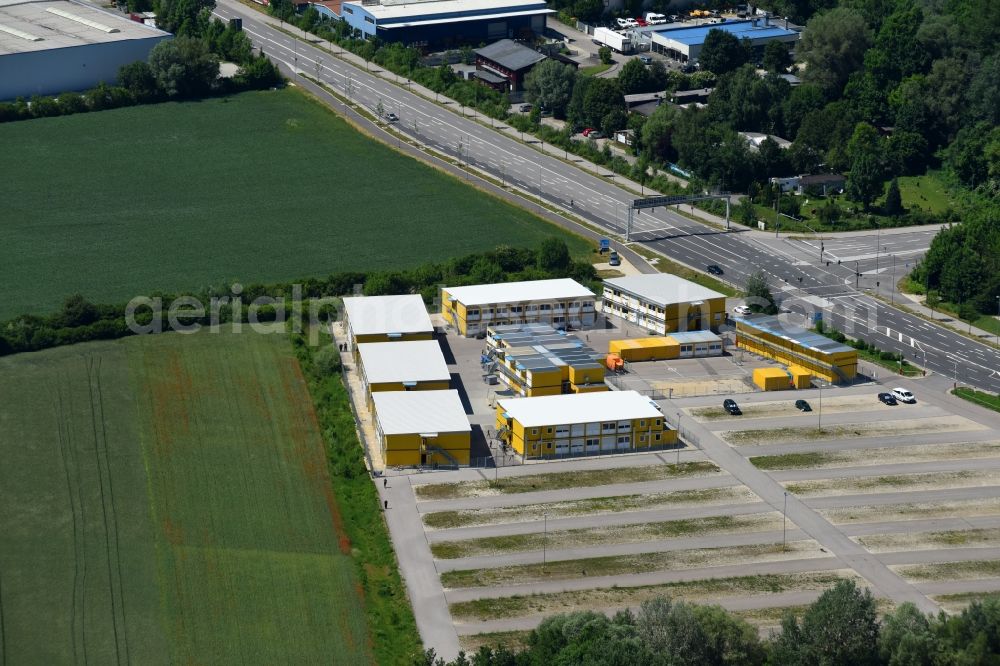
point(614, 40)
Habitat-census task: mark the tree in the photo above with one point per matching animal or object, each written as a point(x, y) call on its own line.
point(138, 79)
point(613, 121)
point(550, 84)
point(601, 98)
point(183, 67)
point(634, 77)
point(554, 256)
point(776, 57)
point(746, 213)
point(841, 627)
point(657, 132)
point(184, 18)
point(893, 200)
point(906, 638)
point(833, 46)
point(327, 361)
point(864, 181)
point(758, 295)
point(604, 53)
point(723, 52)
point(588, 11)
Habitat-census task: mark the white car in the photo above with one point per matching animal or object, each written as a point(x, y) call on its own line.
point(627, 23)
point(902, 395)
point(741, 310)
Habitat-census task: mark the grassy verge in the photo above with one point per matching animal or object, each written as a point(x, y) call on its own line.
point(390, 616)
point(558, 480)
point(967, 570)
point(791, 460)
point(981, 398)
point(488, 609)
point(878, 429)
point(911, 511)
point(595, 536)
point(954, 603)
point(931, 540)
point(866, 484)
point(623, 565)
point(905, 368)
point(591, 506)
point(594, 70)
point(988, 323)
point(512, 640)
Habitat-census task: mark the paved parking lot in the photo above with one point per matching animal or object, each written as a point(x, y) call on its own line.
point(768, 510)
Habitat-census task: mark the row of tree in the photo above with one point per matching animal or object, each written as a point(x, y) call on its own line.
point(841, 628)
point(962, 266)
point(80, 320)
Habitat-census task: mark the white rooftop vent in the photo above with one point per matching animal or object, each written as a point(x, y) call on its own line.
point(20, 33)
point(79, 19)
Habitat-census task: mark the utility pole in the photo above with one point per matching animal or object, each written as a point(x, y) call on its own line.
point(892, 286)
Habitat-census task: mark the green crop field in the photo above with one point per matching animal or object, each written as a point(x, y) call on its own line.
point(259, 187)
point(166, 500)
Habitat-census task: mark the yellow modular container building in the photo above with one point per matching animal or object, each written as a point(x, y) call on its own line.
point(824, 358)
point(417, 365)
point(663, 303)
point(801, 378)
point(771, 379)
point(589, 423)
point(386, 319)
point(645, 349)
point(422, 428)
point(563, 303)
point(536, 359)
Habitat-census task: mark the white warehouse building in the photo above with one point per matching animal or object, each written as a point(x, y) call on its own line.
point(53, 46)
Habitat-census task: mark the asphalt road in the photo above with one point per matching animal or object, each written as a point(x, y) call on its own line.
point(805, 286)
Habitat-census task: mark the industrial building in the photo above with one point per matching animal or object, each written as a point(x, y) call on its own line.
point(49, 47)
point(684, 44)
point(422, 428)
point(664, 303)
point(504, 64)
point(690, 344)
point(386, 319)
point(446, 23)
point(416, 365)
point(580, 424)
point(536, 359)
point(564, 303)
point(811, 352)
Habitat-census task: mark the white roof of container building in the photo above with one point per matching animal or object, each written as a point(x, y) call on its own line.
point(41, 25)
point(405, 361)
point(519, 292)
point(662, 288)
point(421, 412)
point(373, 315)
point(580, 408)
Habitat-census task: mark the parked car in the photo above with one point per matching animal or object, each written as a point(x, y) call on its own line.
point(586, 131)
point(741, 310)
point(713, 269)
point(887, 398)
point(688, 69)
point(614, 259)
point(902, 395)
point(595, 134)
point(391, 117)
point(524, 108)
point(802, 406)
point(730, 406)
point(645, 60)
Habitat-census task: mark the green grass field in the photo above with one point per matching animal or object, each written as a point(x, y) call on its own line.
point(258, 187)
point(166, 500)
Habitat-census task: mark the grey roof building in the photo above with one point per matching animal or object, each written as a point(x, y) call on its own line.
point(508, 59)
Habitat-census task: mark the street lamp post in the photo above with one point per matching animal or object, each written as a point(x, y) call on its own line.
point(998, 314)
point(819, 421)
point(545, 537)
point(892, 287)
point(784, 522)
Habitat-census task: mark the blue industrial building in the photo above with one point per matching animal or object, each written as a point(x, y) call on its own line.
point(685, 44)
point(446, 23)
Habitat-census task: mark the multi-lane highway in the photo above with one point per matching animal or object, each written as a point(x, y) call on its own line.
point(803, 284)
